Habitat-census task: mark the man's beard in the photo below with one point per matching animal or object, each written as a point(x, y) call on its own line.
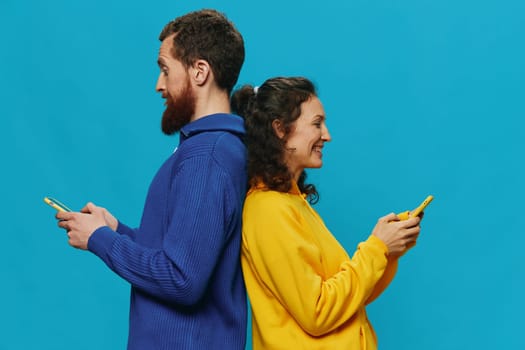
point(179, 111)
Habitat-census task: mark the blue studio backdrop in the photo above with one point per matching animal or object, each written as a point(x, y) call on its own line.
point(422, 97)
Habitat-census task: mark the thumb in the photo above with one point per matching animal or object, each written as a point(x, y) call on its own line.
point(388, 218)
point(89, 208)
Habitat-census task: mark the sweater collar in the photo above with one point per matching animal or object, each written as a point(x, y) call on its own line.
point(213, 122)
point(262, 186)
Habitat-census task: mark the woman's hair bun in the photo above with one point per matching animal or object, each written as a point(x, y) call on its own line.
point(242, 101)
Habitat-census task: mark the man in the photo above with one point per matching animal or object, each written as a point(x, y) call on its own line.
point(183, 261)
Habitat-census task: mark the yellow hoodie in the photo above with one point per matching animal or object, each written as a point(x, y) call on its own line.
point(305, 291)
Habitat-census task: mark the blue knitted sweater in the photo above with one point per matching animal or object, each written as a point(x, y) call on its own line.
point(187, 290)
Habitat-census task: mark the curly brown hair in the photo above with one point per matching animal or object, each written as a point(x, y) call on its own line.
point(280, 99)
point(207, 34)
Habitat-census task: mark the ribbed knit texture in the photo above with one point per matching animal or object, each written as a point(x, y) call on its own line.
point(183, 261)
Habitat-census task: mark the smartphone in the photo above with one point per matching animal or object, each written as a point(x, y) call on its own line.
point(412, 214)
point(56, 204)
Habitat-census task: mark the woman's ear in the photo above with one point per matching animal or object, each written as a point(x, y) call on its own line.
point(278, 128)
point(200, 72)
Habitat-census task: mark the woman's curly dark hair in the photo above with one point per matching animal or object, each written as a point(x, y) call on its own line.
point(280, 99)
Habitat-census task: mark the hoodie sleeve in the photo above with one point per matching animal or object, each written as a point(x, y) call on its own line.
point(282, 258)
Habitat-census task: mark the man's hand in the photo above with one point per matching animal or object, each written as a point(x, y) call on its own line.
point(80, 226)
point(111, 221)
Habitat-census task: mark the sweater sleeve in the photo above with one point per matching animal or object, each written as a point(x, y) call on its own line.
point(181, 270)
point(126, 230)
point(287, 262)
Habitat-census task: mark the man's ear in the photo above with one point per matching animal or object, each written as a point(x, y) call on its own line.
point(278, 128)
point(200, 72)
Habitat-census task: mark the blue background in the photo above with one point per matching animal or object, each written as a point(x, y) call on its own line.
point(422, 97)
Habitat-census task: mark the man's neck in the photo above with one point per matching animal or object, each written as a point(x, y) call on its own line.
point(212, 103)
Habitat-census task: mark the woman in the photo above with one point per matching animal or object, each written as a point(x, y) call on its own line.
point(305, 291)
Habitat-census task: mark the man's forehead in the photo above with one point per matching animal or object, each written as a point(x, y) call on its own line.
point(166, 47)
point(168, 41)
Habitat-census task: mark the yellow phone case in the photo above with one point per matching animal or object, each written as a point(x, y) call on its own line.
point(56, 204)
point(412, 214)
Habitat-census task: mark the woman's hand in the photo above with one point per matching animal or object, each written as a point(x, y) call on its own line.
point(397, 235)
